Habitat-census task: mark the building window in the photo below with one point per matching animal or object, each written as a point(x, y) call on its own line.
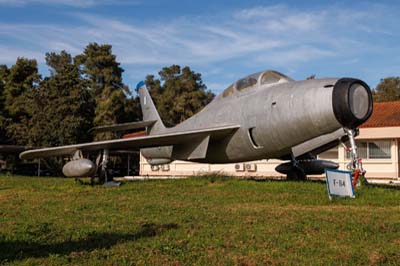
point(374, 149)
point(379, 149)
point(362, 149)
point(331, 154)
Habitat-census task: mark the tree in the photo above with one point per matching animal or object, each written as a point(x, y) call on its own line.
point(388, 89)
point(20, 83)
point(178, 94)
point(3, 76)
point(62, 106)
point(104, 75)
point(132, 110)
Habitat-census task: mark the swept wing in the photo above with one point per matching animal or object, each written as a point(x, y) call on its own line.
point(174, 138)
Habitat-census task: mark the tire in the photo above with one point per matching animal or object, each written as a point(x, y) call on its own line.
point(296, 174)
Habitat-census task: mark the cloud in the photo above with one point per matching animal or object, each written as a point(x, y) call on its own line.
point(193, 41)
point(297, 55)
point(252, 38)
point(72, 3)
point(280, 18)
point(13, 53)
point(266, 31)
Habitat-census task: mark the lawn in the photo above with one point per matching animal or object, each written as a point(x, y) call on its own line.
point(196, 221)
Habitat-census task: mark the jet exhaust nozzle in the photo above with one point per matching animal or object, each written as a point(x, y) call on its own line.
point(310, 167)
point(352, 102)
point(79, 168)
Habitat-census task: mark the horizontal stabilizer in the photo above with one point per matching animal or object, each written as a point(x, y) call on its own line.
point(174, 138)
point(122, 127)
point(11, 149)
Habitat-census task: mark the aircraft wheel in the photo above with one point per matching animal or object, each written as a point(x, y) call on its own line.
point(296, 174)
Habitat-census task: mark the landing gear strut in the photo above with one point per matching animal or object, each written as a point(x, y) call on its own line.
point(297, 173)
point(105, 177)
point(355, 165)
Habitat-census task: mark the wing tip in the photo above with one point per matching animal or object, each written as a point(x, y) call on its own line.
point(23, 156)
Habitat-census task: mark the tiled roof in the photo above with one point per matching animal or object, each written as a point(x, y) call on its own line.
point(384, 114)
point(134, 135)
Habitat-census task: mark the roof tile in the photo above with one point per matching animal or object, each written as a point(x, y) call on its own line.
point(384, 114)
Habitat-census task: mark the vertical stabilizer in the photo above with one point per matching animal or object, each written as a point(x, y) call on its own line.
point(149, 110)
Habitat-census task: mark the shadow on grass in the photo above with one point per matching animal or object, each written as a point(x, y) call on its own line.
point(386, 186)
point(283, 180)
point(389, 185)
point(94, 182)
point(19, 250)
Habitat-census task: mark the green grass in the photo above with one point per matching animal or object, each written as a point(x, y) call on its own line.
point(197, 221)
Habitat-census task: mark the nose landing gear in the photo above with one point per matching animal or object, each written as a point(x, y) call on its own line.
point(355, 165)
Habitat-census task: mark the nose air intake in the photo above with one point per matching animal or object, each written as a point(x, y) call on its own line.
point(352, 102)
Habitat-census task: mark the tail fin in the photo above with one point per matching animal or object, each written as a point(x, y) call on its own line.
point(149, 110)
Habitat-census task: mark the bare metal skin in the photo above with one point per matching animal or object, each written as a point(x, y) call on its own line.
point(265, 115)
point(79, 168)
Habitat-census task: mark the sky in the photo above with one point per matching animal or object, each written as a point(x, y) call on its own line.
point(222, 40)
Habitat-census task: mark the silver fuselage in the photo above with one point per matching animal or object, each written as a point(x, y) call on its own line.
point(280, 115)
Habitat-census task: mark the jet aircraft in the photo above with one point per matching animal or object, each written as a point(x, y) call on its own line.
point(262, 116)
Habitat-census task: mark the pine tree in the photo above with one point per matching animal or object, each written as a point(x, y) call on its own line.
point(63, 105)
point(20, 84)
point(105, 80)
point(3, 76)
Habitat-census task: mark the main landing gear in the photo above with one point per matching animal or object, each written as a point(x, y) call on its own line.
point(105, 177)
point(298, 168)
point(297, 172)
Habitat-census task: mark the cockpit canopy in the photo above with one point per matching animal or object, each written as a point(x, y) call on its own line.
point(269, 77)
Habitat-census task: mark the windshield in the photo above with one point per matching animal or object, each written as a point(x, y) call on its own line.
point(271, 77)
point(228, 91)
point(268, 77)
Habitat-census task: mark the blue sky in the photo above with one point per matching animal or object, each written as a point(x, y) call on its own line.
point(223, 40)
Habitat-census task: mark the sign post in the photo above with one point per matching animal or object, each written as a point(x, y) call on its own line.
point(339, 183)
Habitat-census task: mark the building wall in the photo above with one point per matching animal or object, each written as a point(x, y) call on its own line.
point(376, 168)
point(181, 168)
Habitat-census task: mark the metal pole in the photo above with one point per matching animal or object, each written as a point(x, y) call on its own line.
point(38, 171)
point(129, 165)
point(104, 164)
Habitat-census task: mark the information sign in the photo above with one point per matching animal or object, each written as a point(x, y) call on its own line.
point(339, 183)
